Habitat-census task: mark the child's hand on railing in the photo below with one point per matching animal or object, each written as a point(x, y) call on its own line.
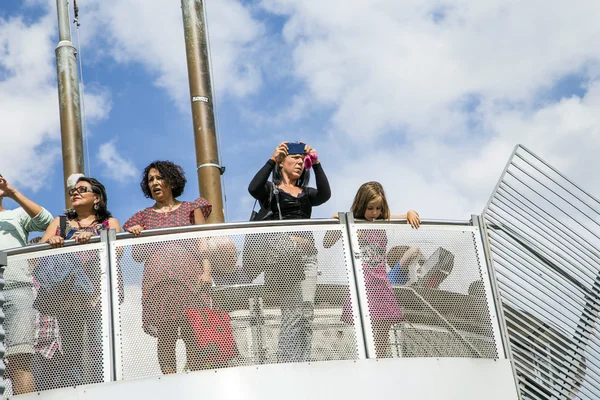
point(412, 218)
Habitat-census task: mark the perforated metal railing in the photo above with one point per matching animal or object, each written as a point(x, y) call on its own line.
point(307, 291)
point(63, 324)
point(293, 315)
point(544, 234)
point(442, 289)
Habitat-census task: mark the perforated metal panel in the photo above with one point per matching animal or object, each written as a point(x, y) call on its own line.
point(436, 303)
point(281, 289)
point(277, 294)
point(69, 323)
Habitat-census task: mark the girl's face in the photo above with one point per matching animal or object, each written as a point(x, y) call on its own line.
point(374, 209)
point(293, 166)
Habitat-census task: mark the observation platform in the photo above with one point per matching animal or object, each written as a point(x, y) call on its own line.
point(448, 340)
point(489, 312)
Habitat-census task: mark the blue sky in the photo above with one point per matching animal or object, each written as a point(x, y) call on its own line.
point(430, 106)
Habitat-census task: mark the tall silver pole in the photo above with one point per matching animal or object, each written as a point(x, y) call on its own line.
point(68, 98)
point(205, 136)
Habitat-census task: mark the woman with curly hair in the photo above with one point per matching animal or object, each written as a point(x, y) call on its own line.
point(176, 272)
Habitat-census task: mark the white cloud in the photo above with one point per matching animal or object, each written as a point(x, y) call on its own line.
point(151, 33)
point(29, 118)
point(449, 87)
point(115, 166)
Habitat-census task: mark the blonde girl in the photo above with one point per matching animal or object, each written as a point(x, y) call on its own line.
point(371, 204)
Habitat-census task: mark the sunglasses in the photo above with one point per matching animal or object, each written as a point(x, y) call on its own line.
point(80, 190)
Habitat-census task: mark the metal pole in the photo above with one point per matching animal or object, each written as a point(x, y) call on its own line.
point(68, 98)
point(205, 137)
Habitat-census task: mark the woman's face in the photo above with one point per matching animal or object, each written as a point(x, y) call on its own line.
point(159, 187)
point(293, 165)
point(374, 209)
point(82, 195)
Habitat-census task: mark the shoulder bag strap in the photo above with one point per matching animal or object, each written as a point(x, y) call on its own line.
point(276, 193)
point(62, 225)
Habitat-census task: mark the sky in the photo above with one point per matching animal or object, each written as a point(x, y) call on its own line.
point(429, 97)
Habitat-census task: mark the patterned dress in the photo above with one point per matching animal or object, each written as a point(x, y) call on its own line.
point(172, 268)
point(380, 295)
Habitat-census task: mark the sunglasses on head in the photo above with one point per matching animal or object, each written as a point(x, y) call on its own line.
point(81, 190)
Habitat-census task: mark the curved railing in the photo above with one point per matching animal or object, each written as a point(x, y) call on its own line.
point(447, 303)
point(544, 233)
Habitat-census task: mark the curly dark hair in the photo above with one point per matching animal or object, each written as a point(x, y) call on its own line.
point(102, 213)
point(172, 173)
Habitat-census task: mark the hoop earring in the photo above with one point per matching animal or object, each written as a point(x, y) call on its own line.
point(96, 206)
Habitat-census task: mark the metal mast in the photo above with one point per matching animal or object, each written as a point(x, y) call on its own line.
point(68, 98)
point(205, 137)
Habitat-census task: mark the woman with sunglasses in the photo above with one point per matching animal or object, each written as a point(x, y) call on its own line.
point(87, 218)
point(80, 312)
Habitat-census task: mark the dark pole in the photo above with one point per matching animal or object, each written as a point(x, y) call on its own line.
point(205, 137)
point(68, 98)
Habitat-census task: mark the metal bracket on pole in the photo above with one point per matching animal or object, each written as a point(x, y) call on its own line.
point(220, 168)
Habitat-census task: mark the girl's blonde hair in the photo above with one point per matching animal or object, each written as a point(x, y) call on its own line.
point(368, 192)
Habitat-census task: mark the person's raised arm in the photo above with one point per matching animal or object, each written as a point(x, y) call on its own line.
point(31, 208)
point(323, 191)
point(37, 218)
point(258, 187)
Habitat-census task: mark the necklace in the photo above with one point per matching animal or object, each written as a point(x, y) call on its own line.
point(162, 210)
point(94, 222)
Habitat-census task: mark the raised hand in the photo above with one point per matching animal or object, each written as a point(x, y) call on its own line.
point(280, 152)
point(310, 150)
point(5, 189)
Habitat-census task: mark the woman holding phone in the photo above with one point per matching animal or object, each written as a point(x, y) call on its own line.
point(294, 255)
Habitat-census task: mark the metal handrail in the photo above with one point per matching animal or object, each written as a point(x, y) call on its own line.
point(454, 325)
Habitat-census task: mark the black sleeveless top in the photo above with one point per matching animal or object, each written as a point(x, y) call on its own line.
point(292, 207)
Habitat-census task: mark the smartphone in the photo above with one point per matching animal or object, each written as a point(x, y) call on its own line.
point(295, 148)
